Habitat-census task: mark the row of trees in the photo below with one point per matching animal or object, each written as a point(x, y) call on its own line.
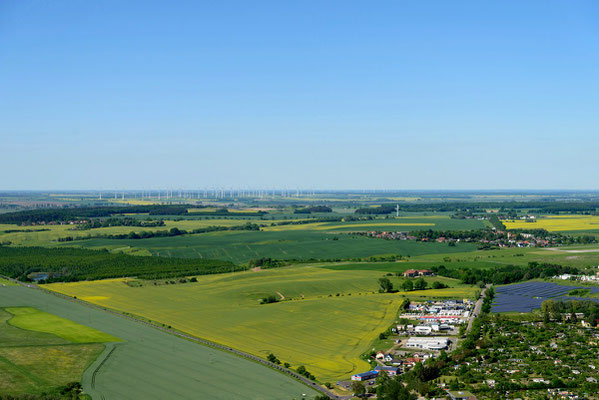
point(73, 264)
point(75, 213)
point(504, 207)
point(505, 274)
point(386, 286)
point(313, 209)
point(164, 233)
point(126, 221)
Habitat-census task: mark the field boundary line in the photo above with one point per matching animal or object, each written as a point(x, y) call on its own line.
point(292, 374)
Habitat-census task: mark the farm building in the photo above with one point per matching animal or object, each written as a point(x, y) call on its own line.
point(364, 376)
point(432, 343)
point(411, 273)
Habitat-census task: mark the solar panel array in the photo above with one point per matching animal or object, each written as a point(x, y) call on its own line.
point(527, 296)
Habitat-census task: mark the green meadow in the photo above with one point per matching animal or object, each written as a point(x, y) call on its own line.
point(40, 352)
point(316, 240)
point(146, 363)
point(35, 320)
point(241, 246)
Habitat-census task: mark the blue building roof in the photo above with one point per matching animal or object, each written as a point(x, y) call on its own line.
point(369, 373)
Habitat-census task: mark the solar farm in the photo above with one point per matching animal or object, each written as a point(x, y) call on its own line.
point(528, 296)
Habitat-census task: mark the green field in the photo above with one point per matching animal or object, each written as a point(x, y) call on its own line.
point(240, 247)
point(147, 364)
point(35, 320)
point(327, 319)
point(319, 240)
point(412, 223)
point(40, 352)
point(576, 256)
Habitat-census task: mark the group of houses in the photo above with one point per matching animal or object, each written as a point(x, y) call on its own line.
point(492, 238)
point(413, 273)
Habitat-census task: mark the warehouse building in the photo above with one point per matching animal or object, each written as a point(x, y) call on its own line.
point(427, 343)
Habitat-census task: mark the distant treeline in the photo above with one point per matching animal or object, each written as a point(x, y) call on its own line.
point(24, 230)
point(501, 275)
point(224, 212)
point(72, 264)
point(322, 219)
point(75, 213)
point(312, 209)
point(383, 209)
point(548, 206)
point(126, 221)
point(266, 262)
point(164, 233)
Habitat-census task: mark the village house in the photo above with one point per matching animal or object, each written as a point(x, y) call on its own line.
point(411, 273)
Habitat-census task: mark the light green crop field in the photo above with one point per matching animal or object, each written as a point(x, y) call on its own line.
point(36, 320)
point(146, 364)
point(576, 256)
point(51, 233)
point(35, 359)
point(302, 241)
point(241, 246)
point(326, 320)
point(411, 223)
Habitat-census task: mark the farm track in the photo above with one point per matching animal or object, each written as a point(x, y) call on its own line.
point(97, 369)
point(195, 339)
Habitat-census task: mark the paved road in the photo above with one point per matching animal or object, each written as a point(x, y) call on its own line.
point(477, 308)
point(240, 353)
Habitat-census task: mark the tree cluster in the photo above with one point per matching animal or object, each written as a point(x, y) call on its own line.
point(313, 209)
point(303, 371)
point(505, 274)
point(72, 264)
point(164, 233)
point(126, 221)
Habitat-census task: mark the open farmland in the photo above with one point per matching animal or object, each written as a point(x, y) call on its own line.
point(148, 363)
point(241, 246)
point(40, 352)
point(328, 317)
point(403, 223)
point(48, 235)
point(558, 223)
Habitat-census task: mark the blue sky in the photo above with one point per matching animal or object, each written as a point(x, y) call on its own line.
point(309, 94)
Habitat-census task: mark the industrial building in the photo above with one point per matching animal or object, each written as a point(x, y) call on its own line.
point(428, 343)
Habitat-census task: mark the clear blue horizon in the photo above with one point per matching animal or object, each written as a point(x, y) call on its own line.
point(336, 95)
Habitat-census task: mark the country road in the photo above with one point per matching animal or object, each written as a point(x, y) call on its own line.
point(477, 308)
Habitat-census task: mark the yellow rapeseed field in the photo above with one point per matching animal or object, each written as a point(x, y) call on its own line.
point(557, 223)
point(324, 331)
